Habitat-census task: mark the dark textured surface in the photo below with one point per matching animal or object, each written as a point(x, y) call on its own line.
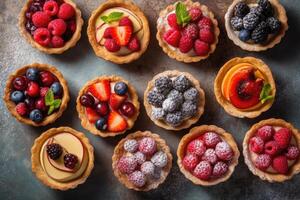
point(80, 65)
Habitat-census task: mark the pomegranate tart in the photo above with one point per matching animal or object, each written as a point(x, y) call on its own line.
point(118, 31)
point(108, 106)
point(36, 94)
point(142, 161)
point(51, 26)
point(245, 87)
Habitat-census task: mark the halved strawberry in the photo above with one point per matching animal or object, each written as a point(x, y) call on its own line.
point(115, 122)
point(121, 34)
point(115, 100)
point(92, 115)
point(100, 90)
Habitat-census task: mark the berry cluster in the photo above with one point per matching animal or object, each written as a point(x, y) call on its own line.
point(273, 148)
point(208, 156)
point(51, 22)
point(255, 23)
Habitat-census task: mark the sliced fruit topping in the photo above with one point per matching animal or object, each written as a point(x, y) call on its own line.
point(54, 151)
point(127, 109)
point(100, 90)
point(121, 34)
point(120, 88)
point(116, 123)
point(92, 115)
point(102, 108)
point(172, 37)
point(70, 160)
point(87, 100)
point(115, 101)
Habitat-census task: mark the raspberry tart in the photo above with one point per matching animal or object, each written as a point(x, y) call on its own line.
point(245, 87)
point(256, 25)
point(62, 158)
point(271, 150)
point(51, 26)
point(108, 106)
point(36, 94)
point(207, 155)
point(187, 31)
point(174, 100)
point(142, 161)
point(118, 31)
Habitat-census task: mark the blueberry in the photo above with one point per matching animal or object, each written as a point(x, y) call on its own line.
point(17, 96)
point(32, 74)
point(120, 88)
point(244, 35)
point(36, 115)
point(56, 88)
point(101, 124)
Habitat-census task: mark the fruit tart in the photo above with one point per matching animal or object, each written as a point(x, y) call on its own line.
point(207, 155)
point(36, 94)
point(62, 158)
point(187, 31)
point(118, 31)
point(174, 100)
point(108, 106)
point(271, 150)
point(245, 87)
point(142, 161)
point(51, 26)
point(256, 25)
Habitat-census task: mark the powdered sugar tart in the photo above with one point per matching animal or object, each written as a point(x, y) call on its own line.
point(142, 161)
point(174, 100)
point(271, 150)
point(187, 31)
point(107, 106)
point(118, 31)
point(207, 155)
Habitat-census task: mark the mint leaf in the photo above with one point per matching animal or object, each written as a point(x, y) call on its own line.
point(56, 103)
point(51, 109)
point(265, 93)
point(114, 16)
point(49, 98)
point(182, 14)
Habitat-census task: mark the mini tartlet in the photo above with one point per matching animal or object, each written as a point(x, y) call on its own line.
point(142, 161)
point(174, 100)
point(207, 155)
point(36, 94)
point(51, 27)
point(245, 87)
point(271, 150)
point(108, 106)
point(187, 31)
point(256, 25)
point(62, 158)
point(118, 31)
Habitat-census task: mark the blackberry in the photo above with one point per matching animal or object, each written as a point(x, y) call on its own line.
point(267, 7)
point(250, 21)
point(241, 9)
point(236, 23)
point(158, 113)
point(181, 83)
point(170, 105)
point(258, 10)
point(70, 160)
point(188, 109)
point(163, 84)
point(244, 35)
point(176, 96)
point(191, 94)
point(54, 151)
point(174, 119)
point(260, 33)
point(273, 24)
point(155, 98)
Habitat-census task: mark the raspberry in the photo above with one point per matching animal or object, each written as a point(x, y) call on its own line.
point(211, 139)
point(206, 36)
point(140, 157)
point(265, 133)
point(148, 168)
point(111, 45)
point(220, 169)
point(190, 161)
point(147, 145)
point(292, 153)
point(22, 109)
point(256, 144)
point(283, 137)
point(54, 151)
point(71, 26)
point(205, 23)
point(40, 19)
point(271, 148)
point(107, 32)
point(66, 11)
point(57, 42)
point(210, 156)
point(280, 164)
point(195, 14)
point(51, 8)
point(262, 161)
point(224, 151)
point(196, 147)
point(131, 145)
point(172, 21)
point(57, 27)
point(201, 48)
point(160, 159)
point(70, 160)
point(191, 31)
point(125, 21)
point(137, 178)
point(42, 36)
point(172, 37)
point(134, 44)
point(203, 170)
point(185, 44)
point(127, 164)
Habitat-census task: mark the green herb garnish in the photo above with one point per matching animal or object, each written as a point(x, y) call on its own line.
point(265, 93)
point(51, 102)
point(182, 15)
point(114, 16)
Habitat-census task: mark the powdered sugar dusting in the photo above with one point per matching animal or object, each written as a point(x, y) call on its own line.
point(137, 178)
point(224, 151)
point(131, 145)
point(148, 168)
point(140, 157)
point(203, 170)
point(210, 156)
point(147, 145)
point(127, 164)
point(220, 169)
point(160, 159)
point(196, 147)
point(211, 139)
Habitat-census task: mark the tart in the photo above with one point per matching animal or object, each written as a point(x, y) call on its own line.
point(62, 158)
point(271, 150)
point(118, 31)
point(51, 26)
point(245, 87)
point(174, 100)
point(256, 25)
point(187, 31)
point(142, 161)
point(107, 106)
point(36, 94)
point(207, 155)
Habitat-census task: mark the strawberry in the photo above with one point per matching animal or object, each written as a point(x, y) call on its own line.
point(100, 90)
point(121, 34)
point(172, 37)
point(92, 115)
point(172, 21)
point(280, 164)
point(283, 137)
point(116, 123)
point(115, 100)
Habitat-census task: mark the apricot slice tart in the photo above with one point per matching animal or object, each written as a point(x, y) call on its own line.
point(187, 31)
point(62, 158)
point(174, 100)
point(271, 150)
point(118, 31)
point(51, 26)
point(207, 155)
point(36, 94)
point(142, 161)
point(107, 106)
point(245, 87)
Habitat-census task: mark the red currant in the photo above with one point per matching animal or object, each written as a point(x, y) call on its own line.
point(102, 108)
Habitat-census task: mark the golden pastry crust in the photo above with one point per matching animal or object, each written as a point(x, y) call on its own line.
point(177, 55)
point(11, 105)
point(119, 152)
point(70, 43)
point(195, 133)
point(281, 14)
point(188, 122)
point(100, 51)
point(91, 127)
point(40, 173)
point(293, 170)
point(229, 108)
